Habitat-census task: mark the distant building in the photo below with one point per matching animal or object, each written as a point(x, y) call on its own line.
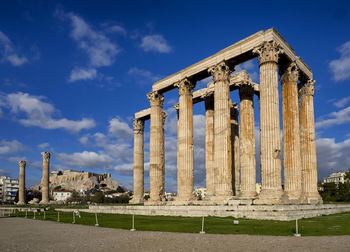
point(9, 187)
point(337, 177)
point(62, 195)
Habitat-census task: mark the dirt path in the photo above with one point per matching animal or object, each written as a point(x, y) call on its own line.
point(18, 234)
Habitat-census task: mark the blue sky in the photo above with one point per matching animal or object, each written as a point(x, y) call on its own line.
point(73, 73)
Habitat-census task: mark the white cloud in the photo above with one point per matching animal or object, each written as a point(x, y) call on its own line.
point(86, 159)
point(340, 68)
point(116, 29)
point(119, 128)
point(334, 118)
point(43, 145)
point(82, 74)
point(155, 43)
point(143, 76)
point(40, 113)
point(8, 52)
point(342, 102)
point(9, 147)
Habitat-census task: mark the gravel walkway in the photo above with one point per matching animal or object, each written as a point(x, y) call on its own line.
point(18, 234)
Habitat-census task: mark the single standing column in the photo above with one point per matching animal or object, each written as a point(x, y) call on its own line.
point(209, 145)
point(222, 130)
point(185, 141)
point(310, 194)
point(156, 147)
point(247, 142)
point(22, 183)
point(270, 135)
point(139, 172)
point(45, 178)
point(235, 149)
point(291, 136)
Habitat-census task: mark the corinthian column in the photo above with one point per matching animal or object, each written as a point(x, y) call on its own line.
point(222, 130)
point(138, 161)
point(156, 147)
point(185, 141)
point(235, 149)
point(45, 178)
point(247, 141)
point(291, 136)
point(22, 185)
point(308, 144)
point(209, 145)
point(270, 135)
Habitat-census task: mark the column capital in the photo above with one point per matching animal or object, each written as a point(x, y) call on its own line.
point(307, 89)
point(220, 72)
point(155, 98)
point(290, 74)
point(46, 155)
point(268, 52)
point(234, 110)
point(185, 86)
point(139, 126)
point(22, 163)
point(246, 91)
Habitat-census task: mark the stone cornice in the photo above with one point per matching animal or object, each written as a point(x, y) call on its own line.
point(155, 98)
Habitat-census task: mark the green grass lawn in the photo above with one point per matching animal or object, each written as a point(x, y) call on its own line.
point(336, 224)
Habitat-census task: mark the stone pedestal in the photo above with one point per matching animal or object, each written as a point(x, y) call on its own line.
point(138, 161)
point(235, 149)
point(247, 142)
point(156, 147)
point(291, 136)
point(308, 144)
point(45, 179)
point(185, 142)
point(22, 185)
point(222, 130)
point(270, 135)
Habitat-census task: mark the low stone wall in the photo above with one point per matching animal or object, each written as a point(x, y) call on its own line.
point(262, 212)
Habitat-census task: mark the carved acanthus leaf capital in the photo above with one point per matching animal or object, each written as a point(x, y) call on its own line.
point(268, 52)
point(291, 74)
point(155, 98)
point(185, 87)
point(139, 126)
point(307, 89)
point(220, 72)
point(246, 91)
point(46, 155)
point(22, 163)
point(234, 111)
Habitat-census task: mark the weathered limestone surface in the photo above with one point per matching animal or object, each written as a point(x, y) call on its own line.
point(235, 149)
point(222, 130)
point(22, 183)
point(138, 161)
point(185, 141)
point(308, 144)
point(45, 178)
point(270, 136)
point(291, 136)
point(247, 142)
point(156, 147)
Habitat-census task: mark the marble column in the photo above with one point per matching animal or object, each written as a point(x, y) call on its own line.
point(291, 136)
point(235, 149)
point(247, 141)
point(22, 183)
point(156, 147)
point(185, 141)
point(139, 172)
point(222, 131)
point(270, 131)
point(46, 178)
point(308, 143)
point(209, 145)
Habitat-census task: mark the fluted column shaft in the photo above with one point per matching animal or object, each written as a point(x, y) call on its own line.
point(45, 178)
point(308, 144)
point(235, 149)
point(270, 136)
point(22, 185)
point(222, 130)
point(247, 142)
point(209, 145)
point(185, 141)
point(138, 161)
point(156, 147)
point(291, 135)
